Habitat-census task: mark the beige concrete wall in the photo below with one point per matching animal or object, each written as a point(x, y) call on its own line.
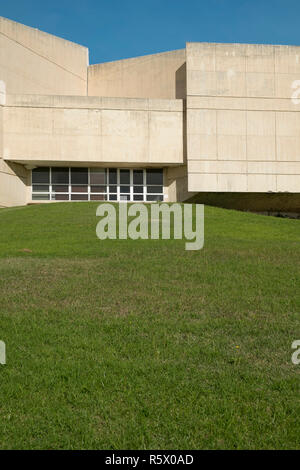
point(14, 185)
point(176, 182)
point(13, 178)
point(34, 62)
point(153, 76)
point(243, 130)
point(81, 130)
point(1, 130)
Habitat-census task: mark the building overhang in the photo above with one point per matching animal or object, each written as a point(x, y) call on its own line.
point(31, 164)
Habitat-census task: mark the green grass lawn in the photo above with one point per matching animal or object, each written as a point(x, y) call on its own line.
point(143, 345)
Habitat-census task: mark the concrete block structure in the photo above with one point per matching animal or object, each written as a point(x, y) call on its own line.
point(214, 123)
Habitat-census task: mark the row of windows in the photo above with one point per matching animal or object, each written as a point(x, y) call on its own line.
point(96, 197)
point(97, 184)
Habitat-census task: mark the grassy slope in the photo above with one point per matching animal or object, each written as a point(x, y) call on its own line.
point(133, 344)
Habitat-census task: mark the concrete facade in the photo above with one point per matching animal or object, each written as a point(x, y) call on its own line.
point(218, 119)
point(34, 62)
point(157, 76)
point(242, 125)
point(60, 130)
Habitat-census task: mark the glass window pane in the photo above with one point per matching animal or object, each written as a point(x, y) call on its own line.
point(98, 189)
point(79, 176)
point(138, 177)
point(113, 189)
point(60, 189)
point(98, 176)
point(79, 189)
point(138, 197)
point(138, 189)
point(155, 198)
point(40, 197)
point(79, 197)
point(60, 197)
point(98, 197)
point(60, 175)
point(112, 176)
point(155, 176)
point(124, 197)
point(125, 189)
point(41, 175)
point(154, 189)
point(38, 188)
point(124, 176)
point(112, 197)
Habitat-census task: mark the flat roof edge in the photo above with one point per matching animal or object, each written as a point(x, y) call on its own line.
point(183, 50)
point(241, 44)
point(2, 18)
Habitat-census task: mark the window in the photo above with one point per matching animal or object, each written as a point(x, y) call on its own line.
point(138, 177)
point(40, 183)
point(79, 176)
point(98, 189)
point(60, 197)
point(40, 188)
point(97, 184)
point(124, 176)
point(155, 197)
point(60, 175)
point(125, 187)
point(112, 176)
point(155, 177)
point(41, 176)
point(98, 176)
point(40, 197)
point(154, 182)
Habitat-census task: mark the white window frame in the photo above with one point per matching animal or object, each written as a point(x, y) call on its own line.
point(145, 194)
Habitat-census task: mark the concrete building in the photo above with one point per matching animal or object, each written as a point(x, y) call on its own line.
point(214, 123)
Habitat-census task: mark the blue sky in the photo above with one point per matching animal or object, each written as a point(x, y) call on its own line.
point(117, 29)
